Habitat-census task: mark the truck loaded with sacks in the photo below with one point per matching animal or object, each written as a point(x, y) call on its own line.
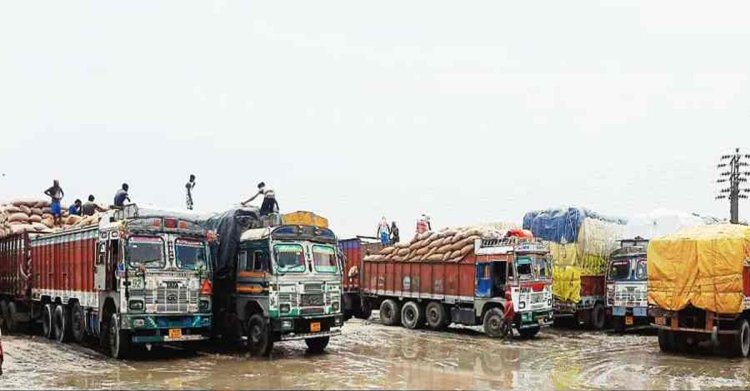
point(137, 276)
point(276, 282)
point(580, 243)
point(699, 288)
point(461, 276)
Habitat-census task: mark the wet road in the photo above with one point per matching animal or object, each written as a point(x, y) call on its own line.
point(370, 355)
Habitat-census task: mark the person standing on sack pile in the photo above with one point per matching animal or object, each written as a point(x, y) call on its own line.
point(423, 224)
point(189, 186)
point(75, 209)
point(56, 194)
point(122, 195)
point(384, 232)
point(90, 207)
point(395, 238)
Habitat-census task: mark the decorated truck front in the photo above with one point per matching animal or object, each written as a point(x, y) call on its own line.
point(627, 291)
point(580, 242)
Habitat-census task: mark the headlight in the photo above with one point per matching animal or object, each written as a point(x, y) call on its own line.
point(287, 324)
point(135, 305)
point(204, 305)
point(284, 308)
point(521, 305)
point(335, 306)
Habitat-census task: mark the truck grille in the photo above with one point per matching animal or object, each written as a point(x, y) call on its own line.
point(309, 300)
point(313, 287)
point(171, 300)
point(312, 311)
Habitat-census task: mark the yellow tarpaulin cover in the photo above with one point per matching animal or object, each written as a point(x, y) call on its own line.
point(701, 266)
point(586, 257)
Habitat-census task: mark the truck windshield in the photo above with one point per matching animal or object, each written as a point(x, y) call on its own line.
point(524, 268)
point(147, 251)
point(324, 258)
point(289, 258)
point(619, 270)
point(190, 254)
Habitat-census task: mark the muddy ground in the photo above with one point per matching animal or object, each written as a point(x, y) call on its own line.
point(370, 355)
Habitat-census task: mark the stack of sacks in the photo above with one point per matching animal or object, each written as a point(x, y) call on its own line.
point(580, 242)
point(447, 245)
point(34, 216)
point(661, 222)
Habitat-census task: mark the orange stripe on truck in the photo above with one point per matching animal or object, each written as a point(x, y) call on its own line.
point(249, 289)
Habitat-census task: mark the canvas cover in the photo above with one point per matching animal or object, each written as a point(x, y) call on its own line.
point(229, 226)
point(660, 222)
point(580, 242)
point(700, 266)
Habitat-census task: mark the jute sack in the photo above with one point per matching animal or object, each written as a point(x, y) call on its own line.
point(386, 251)
point(36, 211)
point(18, 217)
point(35, 219)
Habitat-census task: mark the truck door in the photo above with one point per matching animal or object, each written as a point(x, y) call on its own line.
point(100, 274)
point(484, 280)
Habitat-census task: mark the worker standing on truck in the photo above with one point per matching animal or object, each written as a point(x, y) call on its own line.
point(261, 190)
point(56, 194)
point(189, 186)
point(395, 238)
point(384, 232)
point(423, 224)
point(122, 195)
point(90, 207)
point(75, 208)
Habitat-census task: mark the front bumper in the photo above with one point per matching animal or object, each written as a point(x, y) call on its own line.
point(533, 319)
point(294, 328)
point(152, 328)
point(637, 312)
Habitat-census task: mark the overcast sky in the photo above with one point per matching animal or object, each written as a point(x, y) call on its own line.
point(468, 111)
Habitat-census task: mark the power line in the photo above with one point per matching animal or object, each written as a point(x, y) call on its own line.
point(731, 174)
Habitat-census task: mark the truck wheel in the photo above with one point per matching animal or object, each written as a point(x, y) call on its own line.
point(119, 340)
point(741, 346)
point(618, 324)
point(77, 322)
point(390, 312)
point(598, 317)
point(437, 316)
point(666, 341)
point(47, 315)
point(493, 323)
point(61, 321)
point(529, 333)
point(317, 345)
point(412, 315)
point(259, 341)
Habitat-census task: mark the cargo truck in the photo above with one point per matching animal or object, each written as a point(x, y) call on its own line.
point(276, 283)
point(627, 293)
point(470, 291)
point(352, 252)
point(699, 288)
point(580, 243)
point(139, 277)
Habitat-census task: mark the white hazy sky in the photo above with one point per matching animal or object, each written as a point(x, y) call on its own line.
point(469, 111)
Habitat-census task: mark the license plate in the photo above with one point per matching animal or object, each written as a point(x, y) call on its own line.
point(175, 333)
point(628, 320)
point(315, 327)
point(660, 320)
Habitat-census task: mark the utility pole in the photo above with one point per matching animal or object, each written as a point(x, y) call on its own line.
point(731, 166)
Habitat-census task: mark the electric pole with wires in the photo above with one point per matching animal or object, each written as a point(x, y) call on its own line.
point(731, 166)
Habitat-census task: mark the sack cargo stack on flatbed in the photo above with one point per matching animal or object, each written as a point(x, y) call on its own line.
point(580, 242)
point(627, 277)
point(34, 216)
point(276, 282)
point(139, 276)
point(461, 276)
point(699, 288)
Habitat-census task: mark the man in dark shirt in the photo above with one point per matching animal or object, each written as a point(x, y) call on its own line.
point(75, 209)
point(90, 207)
point(122, 195)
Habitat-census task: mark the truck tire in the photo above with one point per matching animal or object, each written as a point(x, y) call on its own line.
point(666, 341)
point(47, 316)
point(119, 340)
point(598, 317)
point(436, 316)
point(493, 323)
point(259, 339)
point(529, 333)
point(317, 345)
point(61, 322)
point(412, 315)
point(390, 312)
point(741, 345)
point(77, 322)
point(618, 324)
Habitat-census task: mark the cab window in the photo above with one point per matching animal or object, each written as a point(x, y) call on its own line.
point(324, 258)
